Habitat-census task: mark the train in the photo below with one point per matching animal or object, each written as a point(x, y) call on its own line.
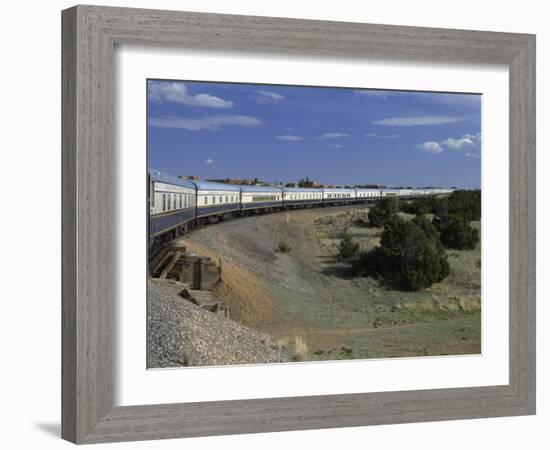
point(177, 205)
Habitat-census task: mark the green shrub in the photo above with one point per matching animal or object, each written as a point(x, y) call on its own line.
point(410, 255)
point(419, 206)
point(440, 206)
point(284, 247)
point(382, 211)
point(465, 204)
point(348, 247)
point(456, 232)
point(427, 227)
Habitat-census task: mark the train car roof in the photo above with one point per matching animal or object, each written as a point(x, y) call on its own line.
point(248, 188)
point(299, 189)
point(213, 186)
point(339, 189)
point(164, 177)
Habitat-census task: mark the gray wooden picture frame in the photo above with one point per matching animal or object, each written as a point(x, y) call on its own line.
point(90, 34)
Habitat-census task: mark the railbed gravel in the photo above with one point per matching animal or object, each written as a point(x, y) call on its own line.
point(180, 333)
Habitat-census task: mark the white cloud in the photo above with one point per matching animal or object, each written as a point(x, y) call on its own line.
point(430, 147)
point(371, 135)
point(268, 96)
point(416, 121)
point(473, 137)
point(457, 144)
point(338, 145)
point(209, 161)
point(176, 91)
point(466, 141)
point(204, 123)
point(333, 135)
point(290, 137)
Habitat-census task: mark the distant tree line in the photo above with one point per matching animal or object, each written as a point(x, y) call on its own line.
point(461, 203)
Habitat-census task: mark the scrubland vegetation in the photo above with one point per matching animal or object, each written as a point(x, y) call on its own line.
point(411, 254)
point(342, 288)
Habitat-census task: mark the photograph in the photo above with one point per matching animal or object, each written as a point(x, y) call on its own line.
point(301, 224)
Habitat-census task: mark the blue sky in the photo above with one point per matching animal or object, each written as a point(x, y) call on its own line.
point(333, 135)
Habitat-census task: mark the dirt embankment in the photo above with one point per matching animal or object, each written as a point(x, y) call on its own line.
point(249, 302)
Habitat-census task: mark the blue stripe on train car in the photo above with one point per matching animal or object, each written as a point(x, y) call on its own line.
point(164, 222)
point(204, 211)
point(259, 205)
point(303, 202)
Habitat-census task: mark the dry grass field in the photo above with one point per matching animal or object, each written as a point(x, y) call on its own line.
point(281, 275)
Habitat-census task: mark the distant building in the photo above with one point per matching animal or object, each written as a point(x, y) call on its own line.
point(237, 181)
point(190, 177)
point(311, 184)
point(307, 183)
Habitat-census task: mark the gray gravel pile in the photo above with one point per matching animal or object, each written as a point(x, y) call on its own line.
point(180, 333)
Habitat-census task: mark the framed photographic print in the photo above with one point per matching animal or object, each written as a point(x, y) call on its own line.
point(268, 222)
